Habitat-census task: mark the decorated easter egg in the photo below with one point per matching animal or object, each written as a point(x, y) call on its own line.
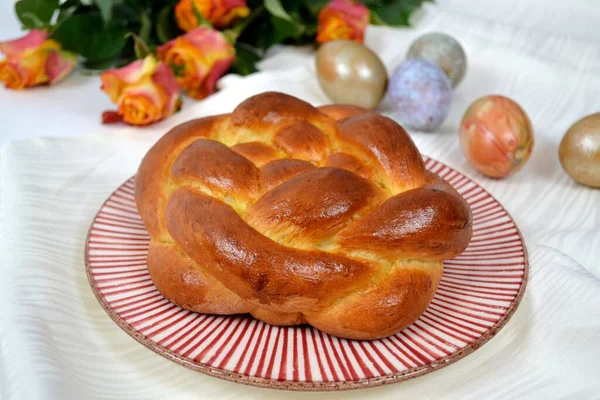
point(579, 151)
point(421, 94)
point(496, 136)
point(442, 50)
point(350, 73)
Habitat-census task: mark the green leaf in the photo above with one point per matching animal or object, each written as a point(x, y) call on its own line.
point(165, 25)
point(284, 29)
point(178, 70)
point(66, 10)
point(284, 24)
point(311, 29)
point(34, 21)
point(295, 21)
point(315, 6)
point(370, 3)
point(145, 27)
point(276, 9)
point(106, 8)
point(375, 19)
point(65, 13)
point(69, 4)
point(89, 36)
point(394, 13)
point(126, 15)
point(239, 26)
point(246, 58)
point(93, 67)
point(199, 17)
point(35, 13)
point(140, 47)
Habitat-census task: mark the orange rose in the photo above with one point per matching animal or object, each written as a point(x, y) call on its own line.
point(220, 13)
point(342, 19)
point(34, 59)
point(145, 91)
point(198, 59)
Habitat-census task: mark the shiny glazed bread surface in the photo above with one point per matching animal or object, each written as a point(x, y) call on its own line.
point(297, 214)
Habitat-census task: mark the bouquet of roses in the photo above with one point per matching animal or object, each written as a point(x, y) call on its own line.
point(151, 50)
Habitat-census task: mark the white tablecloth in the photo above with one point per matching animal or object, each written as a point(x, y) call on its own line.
point(57, 343)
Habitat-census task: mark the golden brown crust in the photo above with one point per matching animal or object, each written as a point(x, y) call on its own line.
point(423, 223)
point(154, 171)
point(180, 280)
point(272, 108)
point(256, 152)
point(218, 168)
point(388, 305)
point(243, 259)
point(291, 206)
point(302, 140)
point(296, 214)
point(278, 318)
point(350, 163)
point(278, 171)
point(386, 145)
point(341, 111)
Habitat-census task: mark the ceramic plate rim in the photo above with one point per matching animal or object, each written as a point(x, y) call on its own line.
point(312, 385)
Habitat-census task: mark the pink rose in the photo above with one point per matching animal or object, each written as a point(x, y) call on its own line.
point(342, 19)
point(145, 91)
point(33, 60)
point(198, 59)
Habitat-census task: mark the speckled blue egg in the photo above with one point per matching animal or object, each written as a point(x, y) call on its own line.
point(421, 93)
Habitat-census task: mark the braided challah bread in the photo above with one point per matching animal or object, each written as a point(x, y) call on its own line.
point(297, 214)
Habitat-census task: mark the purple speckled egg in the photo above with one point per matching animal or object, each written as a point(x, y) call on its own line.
point(421, 93)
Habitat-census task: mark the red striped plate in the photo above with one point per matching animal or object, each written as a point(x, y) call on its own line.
point(478, 293)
